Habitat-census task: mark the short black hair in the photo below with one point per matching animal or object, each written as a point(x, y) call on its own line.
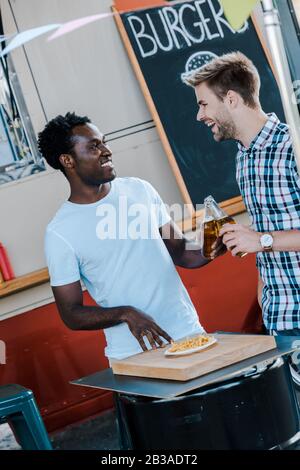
point(56, 138)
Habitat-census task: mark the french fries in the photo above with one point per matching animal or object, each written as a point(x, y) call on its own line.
point(189, 343)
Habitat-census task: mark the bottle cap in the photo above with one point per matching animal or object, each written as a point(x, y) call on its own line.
point(208, 200)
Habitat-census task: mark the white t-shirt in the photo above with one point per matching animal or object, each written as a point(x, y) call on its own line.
point(114, 247)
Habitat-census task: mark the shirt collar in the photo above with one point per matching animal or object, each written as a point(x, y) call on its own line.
point(264, 137)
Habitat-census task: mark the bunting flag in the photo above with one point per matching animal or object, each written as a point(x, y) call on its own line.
point(4, 38)
point(26, 36)
point(129, 5)
point(22, 38)
point(124, 5)
point(75, 24)
point(237, 11)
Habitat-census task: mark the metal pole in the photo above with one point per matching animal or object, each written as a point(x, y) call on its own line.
point(276, 44)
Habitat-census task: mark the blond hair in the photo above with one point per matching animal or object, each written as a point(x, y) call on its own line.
point(233, 71)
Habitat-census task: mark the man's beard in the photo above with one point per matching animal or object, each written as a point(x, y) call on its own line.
point(226, 131)
point(93, 181)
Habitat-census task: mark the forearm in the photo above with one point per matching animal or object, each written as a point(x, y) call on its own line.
point(187, 254)
point(240, 238)
point(75, 315)
point(288, 240)
point(190, 256)
point(81, 317)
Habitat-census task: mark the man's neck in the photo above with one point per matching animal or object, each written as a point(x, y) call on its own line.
point(253, 122)
point(88, 194)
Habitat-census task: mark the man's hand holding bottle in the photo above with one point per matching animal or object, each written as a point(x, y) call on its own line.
point(214, 233)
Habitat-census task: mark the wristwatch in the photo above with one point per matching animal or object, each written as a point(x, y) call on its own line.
point(266, 241)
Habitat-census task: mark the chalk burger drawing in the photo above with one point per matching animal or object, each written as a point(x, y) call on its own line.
point(197, 60)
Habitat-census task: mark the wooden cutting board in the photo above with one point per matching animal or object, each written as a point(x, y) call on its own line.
point(228, 350)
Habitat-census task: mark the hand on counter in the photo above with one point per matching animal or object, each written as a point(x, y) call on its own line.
point(141, 324)
point(240, 238)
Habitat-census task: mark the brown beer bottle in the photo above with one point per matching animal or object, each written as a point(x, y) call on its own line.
point(209, 228)
point(216, 217)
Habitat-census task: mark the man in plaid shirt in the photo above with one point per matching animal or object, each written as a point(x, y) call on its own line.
point(227, 91)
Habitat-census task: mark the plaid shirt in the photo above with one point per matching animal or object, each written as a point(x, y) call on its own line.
point(270, 185)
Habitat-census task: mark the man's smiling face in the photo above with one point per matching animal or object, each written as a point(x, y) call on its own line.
point(214, 113)
point(93, 158)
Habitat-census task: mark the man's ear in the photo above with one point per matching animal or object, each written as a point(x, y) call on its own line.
point(232, 99)
point(66, 160)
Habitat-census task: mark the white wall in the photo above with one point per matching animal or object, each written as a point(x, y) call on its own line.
point(88, 72)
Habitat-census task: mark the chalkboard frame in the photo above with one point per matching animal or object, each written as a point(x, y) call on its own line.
point(232, 206)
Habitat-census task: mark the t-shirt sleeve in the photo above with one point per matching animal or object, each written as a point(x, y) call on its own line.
point(61, 260)
point(160, 209)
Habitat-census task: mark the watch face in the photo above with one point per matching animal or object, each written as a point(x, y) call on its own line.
point(266, 240)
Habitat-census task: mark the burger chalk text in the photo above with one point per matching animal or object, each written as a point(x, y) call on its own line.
point(191, 23)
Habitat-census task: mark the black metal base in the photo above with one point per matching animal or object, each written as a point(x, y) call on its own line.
point(255, 411)
point(289, 444)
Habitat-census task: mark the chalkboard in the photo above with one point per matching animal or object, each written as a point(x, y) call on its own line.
point(165, 42)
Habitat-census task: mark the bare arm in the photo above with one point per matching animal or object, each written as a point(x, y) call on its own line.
point(287, 240)
point(75, 315)
point(245, 239)
point(179, 250)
